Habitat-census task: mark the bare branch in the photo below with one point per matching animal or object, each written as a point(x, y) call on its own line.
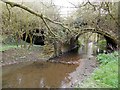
point(73, 5)
point(12, 4)
point(88, 2)
point(48, 27)
point(94, 6)
point(44, 4)
point(108, 9)
point(57, 23)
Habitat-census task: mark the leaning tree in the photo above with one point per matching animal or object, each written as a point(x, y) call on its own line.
point(63, 34)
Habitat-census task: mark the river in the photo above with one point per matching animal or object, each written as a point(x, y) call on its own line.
point(39, 74)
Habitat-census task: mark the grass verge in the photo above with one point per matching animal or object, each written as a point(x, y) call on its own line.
point(7, 47)
point(106, 75)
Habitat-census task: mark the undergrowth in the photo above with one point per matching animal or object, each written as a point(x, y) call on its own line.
point(106, 75)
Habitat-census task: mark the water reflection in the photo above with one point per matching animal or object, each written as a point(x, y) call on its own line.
point(43, 74)
point(90, 49)
point(37, 75)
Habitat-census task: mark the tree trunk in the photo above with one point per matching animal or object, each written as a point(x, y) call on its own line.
point(57, 48)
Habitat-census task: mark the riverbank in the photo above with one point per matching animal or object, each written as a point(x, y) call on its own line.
point(105, 76)
point(18, 54)
point(83, 71)
point(85, 66)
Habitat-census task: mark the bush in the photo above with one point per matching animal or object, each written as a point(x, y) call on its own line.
point(106, 75)
point(105, 58)
point(108, 70)
point(102, 44)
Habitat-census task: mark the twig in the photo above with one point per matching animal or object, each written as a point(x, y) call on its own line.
point(12, 4)
point(94, 6)
point(108, 9)
point(73, 5)
point(88, 2)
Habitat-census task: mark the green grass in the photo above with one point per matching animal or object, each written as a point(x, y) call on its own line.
point(7, 47)
point(4, 47)
point(106, 75)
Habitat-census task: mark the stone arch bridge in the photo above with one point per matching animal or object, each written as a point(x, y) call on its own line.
point(72, 43)
point(110, 37)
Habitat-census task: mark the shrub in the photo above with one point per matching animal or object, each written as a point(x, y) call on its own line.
point(106, 75)
point(102, 44)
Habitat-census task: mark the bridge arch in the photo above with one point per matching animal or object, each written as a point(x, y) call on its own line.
point(111, 40)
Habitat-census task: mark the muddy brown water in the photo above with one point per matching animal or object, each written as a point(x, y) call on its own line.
point(39, 74)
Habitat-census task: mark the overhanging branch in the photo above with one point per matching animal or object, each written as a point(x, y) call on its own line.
point(48, 27)
point(12, 4)
point(108, 9)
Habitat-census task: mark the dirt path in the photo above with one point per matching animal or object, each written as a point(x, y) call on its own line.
point(83, 71)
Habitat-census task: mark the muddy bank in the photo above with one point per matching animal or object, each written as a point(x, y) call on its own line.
point(82, 72)
point(15, 56)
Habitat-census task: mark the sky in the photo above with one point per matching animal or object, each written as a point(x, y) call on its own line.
point(67, 6)
point(64, 5)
